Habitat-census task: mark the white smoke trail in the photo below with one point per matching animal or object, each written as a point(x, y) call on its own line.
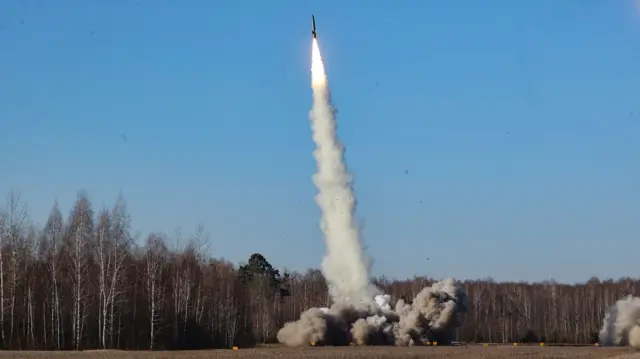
point(359, 314)
point(621, 324)
point(345, 265)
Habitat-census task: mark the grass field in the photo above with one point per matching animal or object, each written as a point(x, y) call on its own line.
point(472, 351)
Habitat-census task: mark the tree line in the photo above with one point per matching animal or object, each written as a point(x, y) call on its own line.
point(83, 282)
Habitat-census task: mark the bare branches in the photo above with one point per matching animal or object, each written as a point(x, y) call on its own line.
point(16, 221)
point(16, 215)
point(80, 236)
point(156, 257)
point(52, 242)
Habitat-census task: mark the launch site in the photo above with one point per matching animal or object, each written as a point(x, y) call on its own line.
point(301, 180)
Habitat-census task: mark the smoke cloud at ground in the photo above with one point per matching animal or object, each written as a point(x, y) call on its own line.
point(621, 324)
point(434, 315)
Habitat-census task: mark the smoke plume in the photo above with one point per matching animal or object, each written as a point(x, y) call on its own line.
point(359, 314)
point(621, 324)
point(345, 266)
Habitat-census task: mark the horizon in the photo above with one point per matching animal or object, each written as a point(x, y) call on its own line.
point(187, 236)
point(477, 138)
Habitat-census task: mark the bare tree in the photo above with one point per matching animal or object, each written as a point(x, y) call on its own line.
point(80, 233)
point(200, 244)
point(16, 222)
point(176, 283)
point(102, 253)
point(156, 257)
point(30, 263)
point(4, 232)
point(120, 244)
point(53, 236)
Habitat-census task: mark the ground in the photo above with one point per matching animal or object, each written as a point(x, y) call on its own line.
point(469, 352)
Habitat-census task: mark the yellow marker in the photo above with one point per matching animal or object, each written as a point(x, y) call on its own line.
point(597, 344)
point(435, 343)
point(515, 344)
point(485, 345)
point(541, 344)
point(428, 343)
point(234, 348)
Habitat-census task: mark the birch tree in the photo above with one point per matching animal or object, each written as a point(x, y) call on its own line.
point(80, 232)
point(16, 222)
point(120, 244)
point(156, 256)
point(53, 236)
point(31, 277)
point(103, 235)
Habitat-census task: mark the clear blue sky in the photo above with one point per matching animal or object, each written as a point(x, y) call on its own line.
point(518, 123)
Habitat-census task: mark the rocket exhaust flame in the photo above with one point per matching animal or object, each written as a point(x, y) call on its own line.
point(318, 76)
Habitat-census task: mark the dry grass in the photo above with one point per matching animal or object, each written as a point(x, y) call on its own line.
point(469, 352)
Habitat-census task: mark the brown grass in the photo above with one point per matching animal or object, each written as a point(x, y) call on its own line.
point(470, 352)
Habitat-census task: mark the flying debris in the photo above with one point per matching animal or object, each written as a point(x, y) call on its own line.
point(313, 26)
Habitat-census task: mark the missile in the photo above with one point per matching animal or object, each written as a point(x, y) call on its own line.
point(313, 26)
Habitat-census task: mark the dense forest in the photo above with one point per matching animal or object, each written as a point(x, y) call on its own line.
point(83, 282)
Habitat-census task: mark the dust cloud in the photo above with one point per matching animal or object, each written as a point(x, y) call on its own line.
point(621, 324)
